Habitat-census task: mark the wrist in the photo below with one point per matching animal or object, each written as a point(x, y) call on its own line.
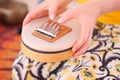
point(106, 6)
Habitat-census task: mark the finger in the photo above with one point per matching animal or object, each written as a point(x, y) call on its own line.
point(67, 16)
point(53, 8)
point(83, 48)
point(83, 36)
point(36, 13)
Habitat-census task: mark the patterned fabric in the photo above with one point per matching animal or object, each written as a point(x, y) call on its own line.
point(9, 48)
point(100, 62)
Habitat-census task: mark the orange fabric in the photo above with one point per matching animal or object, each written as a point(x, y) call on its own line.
point(9, 48)
point(110, 18)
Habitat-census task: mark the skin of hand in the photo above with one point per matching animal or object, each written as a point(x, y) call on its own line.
point(48, 7)
point(87, 18)
point(81, 13)
point(86, 14)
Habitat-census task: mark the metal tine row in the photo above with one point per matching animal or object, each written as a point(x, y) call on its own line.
point(50, 28)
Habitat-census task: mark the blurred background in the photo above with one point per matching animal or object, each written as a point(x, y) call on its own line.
point(12, 14)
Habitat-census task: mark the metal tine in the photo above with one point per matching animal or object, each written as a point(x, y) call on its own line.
point(53, 28)
point(48, 28)
point(44, 26)
point(56, 30)
point(44, 32)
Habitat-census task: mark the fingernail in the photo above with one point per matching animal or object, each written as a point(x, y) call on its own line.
point(60, 20)
point(52, 16)
point(74, 50)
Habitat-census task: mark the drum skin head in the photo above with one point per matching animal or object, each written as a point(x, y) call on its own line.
point(44, 51)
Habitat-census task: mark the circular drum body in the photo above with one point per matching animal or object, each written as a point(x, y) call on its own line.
point(44, 51)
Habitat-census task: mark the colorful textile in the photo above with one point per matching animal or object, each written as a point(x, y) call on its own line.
point(9, 47)
point(100, 62)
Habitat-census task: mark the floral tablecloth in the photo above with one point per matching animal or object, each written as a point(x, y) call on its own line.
point(100, 62)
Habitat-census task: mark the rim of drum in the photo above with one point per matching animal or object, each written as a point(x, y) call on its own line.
point(46, 56)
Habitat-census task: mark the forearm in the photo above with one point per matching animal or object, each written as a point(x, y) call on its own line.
point(66, 2)
point(108, 5)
